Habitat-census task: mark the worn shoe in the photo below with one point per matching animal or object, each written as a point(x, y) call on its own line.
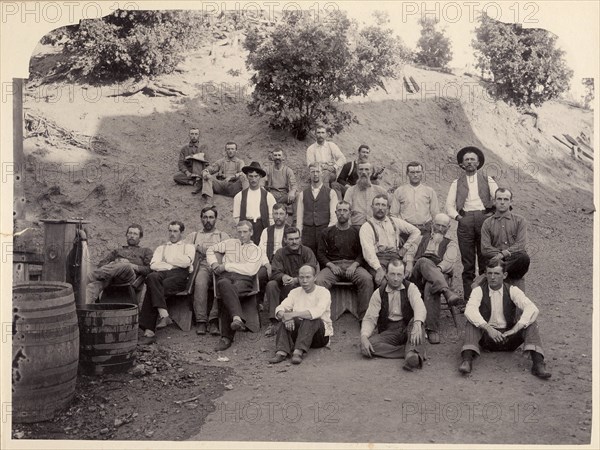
point(224, 344)
point(433, 337)
point(539, 370)
point(237, 325)
point(146, 340)
point(163, 322)
point(271, 330)
point(452, 298)
point(465, 367)
point(279, 358)
point(411, 361)
point(201, 329)
point(297, 358)
point(214, 329)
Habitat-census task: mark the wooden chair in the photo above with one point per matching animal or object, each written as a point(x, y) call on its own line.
point(180, 304)
point(343, 298)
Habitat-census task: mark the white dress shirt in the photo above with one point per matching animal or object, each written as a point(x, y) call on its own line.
point(326, 153)
point(317, 303)
point(472, 202)
point(387, 240)
point(252, 205)
point(244, 259)
point(170, 256)
point(497, 320)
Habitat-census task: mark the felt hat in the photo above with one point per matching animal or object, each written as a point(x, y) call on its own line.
point(479, 153)
point(198, 157)
point(254, 167)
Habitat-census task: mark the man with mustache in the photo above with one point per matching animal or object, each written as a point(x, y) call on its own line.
point(191, 162)
point(329, 155)
point(281, 181)
point(224, 176)
point(349, 173)
point(361, 195)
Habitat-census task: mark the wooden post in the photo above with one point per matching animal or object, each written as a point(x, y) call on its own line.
point(18, 197)
point(58, 241)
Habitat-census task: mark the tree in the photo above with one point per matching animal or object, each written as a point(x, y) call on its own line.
point(305, 68)
point(588, 99)
point(526, 66)
point(435, 49)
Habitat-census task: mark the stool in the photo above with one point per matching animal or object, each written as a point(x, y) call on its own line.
point(343, 298)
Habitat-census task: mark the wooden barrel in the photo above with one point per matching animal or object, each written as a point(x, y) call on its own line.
point(108, 337)
point(45, 349)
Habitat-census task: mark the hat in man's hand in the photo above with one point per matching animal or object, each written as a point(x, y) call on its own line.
point(461, 153)
point(197, 157)
point(254, 167)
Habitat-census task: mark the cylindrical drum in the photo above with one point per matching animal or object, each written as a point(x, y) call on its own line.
point(108, 337)
point(45, 349)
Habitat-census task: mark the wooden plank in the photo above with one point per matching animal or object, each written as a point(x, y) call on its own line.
point(582, 142)
point(570, 139)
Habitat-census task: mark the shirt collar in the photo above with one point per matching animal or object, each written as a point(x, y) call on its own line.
point(179, 242)
point(499, 291)
point(292, 252)
point(507, 215)
point(388, 288)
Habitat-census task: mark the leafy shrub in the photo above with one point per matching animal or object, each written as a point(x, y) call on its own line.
point(435, 49)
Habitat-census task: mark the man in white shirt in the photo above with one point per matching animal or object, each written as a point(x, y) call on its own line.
point(381, 241)
point(330, 156)
point(398, 312)
point(306, 317)
point(470, 201)
point(172, 263)
point(501, 318)
point(415, 202)
point(235, 277)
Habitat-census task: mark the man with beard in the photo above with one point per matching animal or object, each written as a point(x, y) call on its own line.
point(349, 173)
point(415, 202)
point(340, 255)
point(316, 208)
point(120, 266)
point(171, 264)
point(361, 195)
point(435, 259)
point(281, 181)
point(284, 277)
point(272, 238)
point(381, 241)
point(470, 201)
point(203, 239)
point(191, 162)
point(329, 155)
point(225, 176)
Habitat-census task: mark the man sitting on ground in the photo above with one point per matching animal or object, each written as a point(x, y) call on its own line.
point(191, 162)
point(398, 312)
point(501, 318)
point(306, 317)
point(122, 265)
point(172, 263)
point(225, 176)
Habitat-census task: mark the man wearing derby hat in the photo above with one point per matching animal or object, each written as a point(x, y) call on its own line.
point(470, 201)
point(191, 162)
point(254, 203)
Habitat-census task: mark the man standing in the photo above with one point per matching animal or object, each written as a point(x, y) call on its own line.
point(349, 173)
point(191, 161)
point(272, 238)
point(254, 203)
point(225, 176)
point(172, 263)
point(504, 237)
point(235, 277)
point(284, 276)
point(501, 318)
point(340, 255)
point(360, 196)
point(398, 312)
point(415, 202)
point(120, 266)
point(328, 154)
point(434, 260)
point(470, 201)
point(281, 181)
point(306, 317)
point(203, 239)
point(316, 208)
point(381, 241)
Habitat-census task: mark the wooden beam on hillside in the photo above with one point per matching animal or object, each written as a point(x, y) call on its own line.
point(408, 86)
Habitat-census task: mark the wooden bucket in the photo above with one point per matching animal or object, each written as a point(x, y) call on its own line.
point(108, 337)
point(45, 349)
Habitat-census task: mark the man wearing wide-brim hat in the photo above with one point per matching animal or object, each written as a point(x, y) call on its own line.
point(470, 201)
point(191, 161)
point(254, 203)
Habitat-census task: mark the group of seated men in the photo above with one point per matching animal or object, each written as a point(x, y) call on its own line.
point(400, 269)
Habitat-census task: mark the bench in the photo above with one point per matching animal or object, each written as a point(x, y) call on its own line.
point(343, 298)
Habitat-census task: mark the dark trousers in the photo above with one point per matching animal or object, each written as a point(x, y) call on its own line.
point(431, 282)
point(469, 243)
point(275, 292)
point(196, 168)
point(257, 229)
point(475, 338)
point(310, 236)
point(232, 288)
point(159, 285)
point(517, 265)
point(394, 341)
point(307, 334)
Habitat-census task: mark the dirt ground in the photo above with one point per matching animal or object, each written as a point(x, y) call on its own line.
point(335, 395)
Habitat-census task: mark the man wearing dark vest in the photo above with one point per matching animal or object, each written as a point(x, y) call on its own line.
point(434, 260)
point(398, 312)
point(470, 201)
point(284, 275)
point(254, 203)
point(316, 208)
point(501, 318)
point(272, 238)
